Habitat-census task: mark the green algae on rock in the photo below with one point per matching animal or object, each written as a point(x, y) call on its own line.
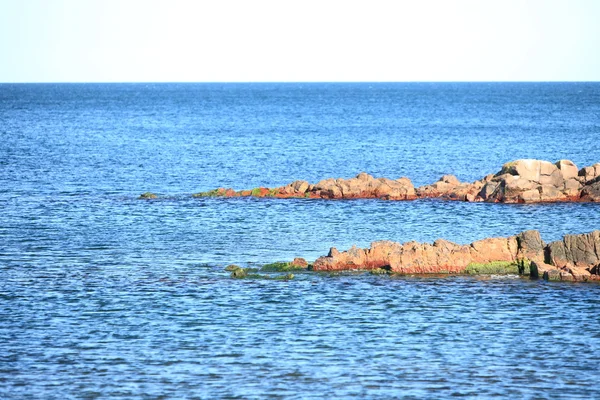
point(238, 272)
point(493, 268)
point(281, 266)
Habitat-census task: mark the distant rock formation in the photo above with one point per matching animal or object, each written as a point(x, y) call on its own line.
point(521, 181)
point(576, 257)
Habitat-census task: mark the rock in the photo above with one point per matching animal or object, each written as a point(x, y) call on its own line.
point(147, 196)
point(529, 170)
point(444, 186)
point(539, 268)
point(300, 187)
point(589, 174)
point(494, 249)
point(568, 170)
point(529, 196)
point(591, 192)
point(566, 276)
point(520, 181)
point(450, 179)
point(574, 258)
point(412, 257)
point(239, 273)
point(530, 245)
point(579, 273)
point(575, 251)
point(552, 275)
point(364, 177)
point(572, 188)
point(551, 193)
point(488, 190)
point(533, 181)
point(299, 263)
point(281, 266)
point(365, 186)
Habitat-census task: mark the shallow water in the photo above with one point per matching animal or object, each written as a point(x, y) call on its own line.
point(103, 295)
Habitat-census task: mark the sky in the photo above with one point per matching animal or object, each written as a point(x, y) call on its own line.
point(299, 41)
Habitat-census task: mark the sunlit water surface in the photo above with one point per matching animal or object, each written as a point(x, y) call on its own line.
point(106, 296)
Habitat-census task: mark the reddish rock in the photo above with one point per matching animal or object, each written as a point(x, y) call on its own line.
point(574, 258)
point(539, 269)
point(520, 181)
point(444, 186)
point(414, 257)
point(364, 186)
point(494, 249)
point(299, 262)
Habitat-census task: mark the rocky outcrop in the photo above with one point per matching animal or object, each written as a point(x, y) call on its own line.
point(521, 181)
point(534, 181)
point(363, 186)
point(576, 257)
point(450, 188)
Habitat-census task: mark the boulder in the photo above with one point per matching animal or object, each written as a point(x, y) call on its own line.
point(538, 269)
point(530, 245)
point(575, 251)
point(444, 186)
point(591, 192)
point(300, 187)
point(365, 186)
point(494, 249)
point(589, 174)
point(572, 188)
point(147, 196)
point(552, 275)
point(568, 170)
point(579, 273)
point(299, 262)
point(533, 181)
point(530, 170)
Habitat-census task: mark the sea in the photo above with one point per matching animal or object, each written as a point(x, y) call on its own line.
point(105, 296)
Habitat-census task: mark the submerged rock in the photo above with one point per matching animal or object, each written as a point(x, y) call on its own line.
point(280, 266)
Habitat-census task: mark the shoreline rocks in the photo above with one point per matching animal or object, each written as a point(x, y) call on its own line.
point(520, 181)
point(574, 258)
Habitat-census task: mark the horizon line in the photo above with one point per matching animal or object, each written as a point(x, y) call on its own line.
point(295, 82)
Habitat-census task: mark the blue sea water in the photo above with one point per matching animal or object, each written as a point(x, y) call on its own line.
point(106, 296)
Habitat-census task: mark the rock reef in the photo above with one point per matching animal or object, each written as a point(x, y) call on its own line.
point(574, 258)
point(520, 181)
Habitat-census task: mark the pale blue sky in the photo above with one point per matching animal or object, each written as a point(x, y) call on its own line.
point(260, 40)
